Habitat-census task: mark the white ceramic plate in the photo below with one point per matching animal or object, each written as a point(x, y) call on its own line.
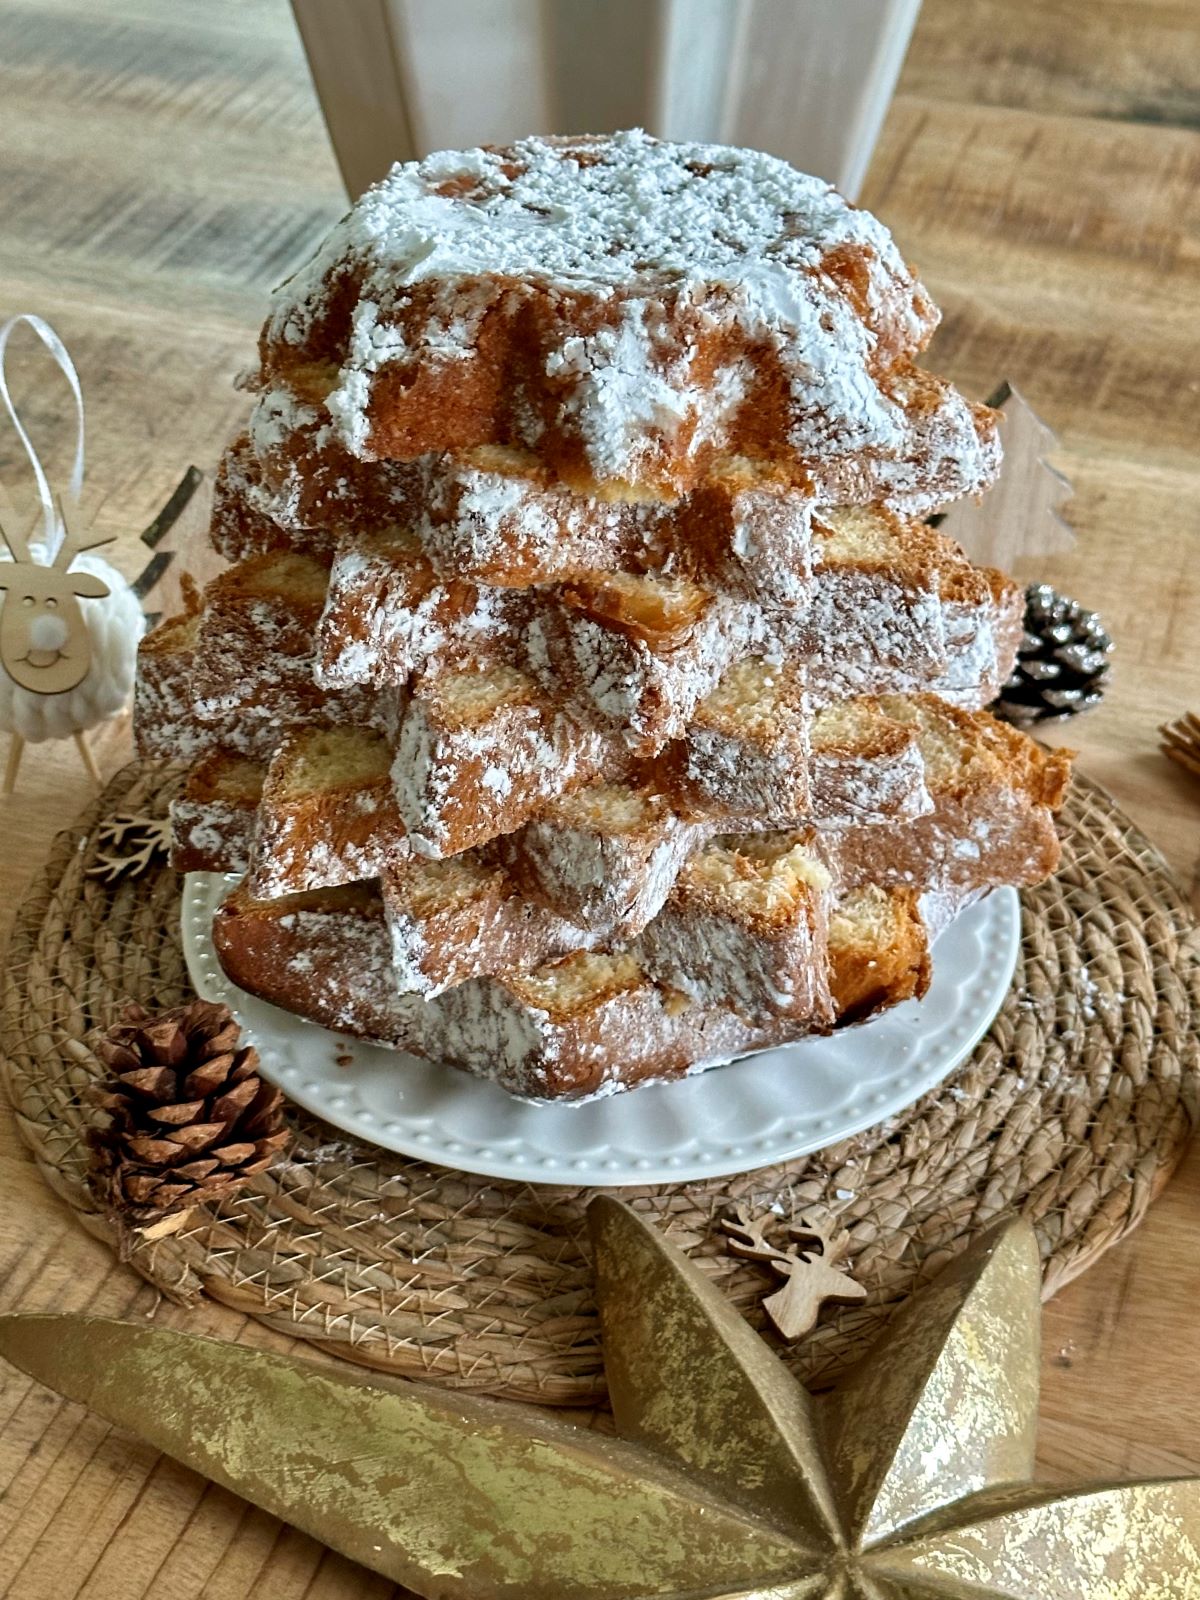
point(750, 1113)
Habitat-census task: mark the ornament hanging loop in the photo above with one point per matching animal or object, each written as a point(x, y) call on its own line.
point(52, 529)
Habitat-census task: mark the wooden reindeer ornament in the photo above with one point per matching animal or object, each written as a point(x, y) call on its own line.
point(806, 1266)
point(45, 645)
point(69, 623)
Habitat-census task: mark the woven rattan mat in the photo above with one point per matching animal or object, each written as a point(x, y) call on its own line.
point(1073, 1109)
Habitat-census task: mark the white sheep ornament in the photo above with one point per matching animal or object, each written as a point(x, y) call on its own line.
point(69, 631)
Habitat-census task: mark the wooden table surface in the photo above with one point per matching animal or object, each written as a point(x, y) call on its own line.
point(163, 165)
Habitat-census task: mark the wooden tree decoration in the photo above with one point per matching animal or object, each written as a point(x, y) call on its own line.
point(1022, 514)
point(179, 549)
point(806, 1266)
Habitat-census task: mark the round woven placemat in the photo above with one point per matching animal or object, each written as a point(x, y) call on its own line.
point(1073, 1110)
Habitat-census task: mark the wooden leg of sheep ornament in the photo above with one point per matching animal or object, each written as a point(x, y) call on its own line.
point(89, 761)
point(16, 749)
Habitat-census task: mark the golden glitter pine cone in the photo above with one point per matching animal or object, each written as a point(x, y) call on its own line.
point(189, 1119)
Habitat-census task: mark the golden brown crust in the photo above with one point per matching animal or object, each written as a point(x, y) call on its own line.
point(1041, 773)
point(498, 515)
point(162, 706)
point(328, 813)
point(582, 1024)
point(491, 394)
point(868, 976)
point(993, 794)
point(238, 528)
point(465, 918)
point(452, 323)
point(253, 649)
point(478, 753)
point(235, 671)
point(603, 857)
point(322, 956)
point(997, 753)
point(745, 927)
point(214, 817)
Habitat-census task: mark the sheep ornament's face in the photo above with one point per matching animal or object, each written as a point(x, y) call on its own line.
point(44, 641)
point(45, 645)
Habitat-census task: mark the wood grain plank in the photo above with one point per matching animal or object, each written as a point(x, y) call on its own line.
point(1064, 255)
point(174, 1529)
point(1096, 60)
point(1113, 1398)
point(261, 1557)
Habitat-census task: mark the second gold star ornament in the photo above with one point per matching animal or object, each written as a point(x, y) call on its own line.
point(912, 1481)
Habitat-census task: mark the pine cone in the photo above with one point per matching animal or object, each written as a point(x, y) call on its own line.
point(190, 1120)
point(1062, 662)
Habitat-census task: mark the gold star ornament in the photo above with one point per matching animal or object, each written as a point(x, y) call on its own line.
point(912, 1481)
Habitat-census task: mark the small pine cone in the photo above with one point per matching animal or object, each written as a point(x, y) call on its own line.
point(189, 1118)
point(1061, 665)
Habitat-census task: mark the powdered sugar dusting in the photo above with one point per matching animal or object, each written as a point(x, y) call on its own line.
point(657, 238)
point(543, 485)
